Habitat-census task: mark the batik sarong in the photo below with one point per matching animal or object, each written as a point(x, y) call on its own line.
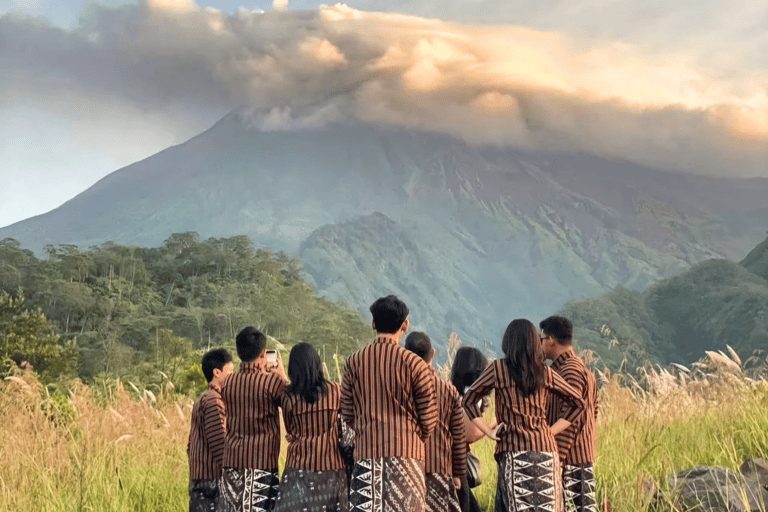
point(388, 484)
point(441, 495)
point(579, 487)
point(529, 481)
point(248, 490)
point(203, 495)
point(313, 491)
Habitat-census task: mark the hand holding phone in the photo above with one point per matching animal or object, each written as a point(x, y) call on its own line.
point(272, 357)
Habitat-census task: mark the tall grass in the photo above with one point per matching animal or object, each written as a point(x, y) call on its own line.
point(102, 448)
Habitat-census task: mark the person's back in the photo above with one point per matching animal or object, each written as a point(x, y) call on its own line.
point(315, 478)
point(576, 444)
point(388, 399)
point(205, 447)
point(446, 448)
point(252, 444)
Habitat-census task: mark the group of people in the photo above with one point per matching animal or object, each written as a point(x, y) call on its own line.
point(393, 436)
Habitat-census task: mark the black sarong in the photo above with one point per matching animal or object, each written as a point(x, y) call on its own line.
point(313, 491)
point(530, 482)
point(388, 484)
point(248, 490)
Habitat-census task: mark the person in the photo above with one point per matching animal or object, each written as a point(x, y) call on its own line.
point(446, 448)
point(249, 480)
point(576, 444)
point(205, 448)
point(526, 450)
point(314, 479)
point(388, 398)
point(468, 364)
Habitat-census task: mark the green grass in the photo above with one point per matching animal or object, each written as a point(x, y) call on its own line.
point(130, 455)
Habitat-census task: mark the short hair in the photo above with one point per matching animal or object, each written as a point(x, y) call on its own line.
point(559, 328)
point(250, 343)
point(420, 344)
point(389, 313)
point(214, 360)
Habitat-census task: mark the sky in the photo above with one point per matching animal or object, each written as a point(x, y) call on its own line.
point(89, 87)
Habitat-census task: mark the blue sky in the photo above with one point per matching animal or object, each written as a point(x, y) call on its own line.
point(91, 87)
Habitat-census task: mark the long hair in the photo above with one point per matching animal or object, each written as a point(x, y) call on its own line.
point(468, 364)
point(524, 357)
point(306, 373)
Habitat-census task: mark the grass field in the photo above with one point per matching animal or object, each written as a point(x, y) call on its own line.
point(103, 448)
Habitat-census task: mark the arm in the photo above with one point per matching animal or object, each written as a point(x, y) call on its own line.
point(214, 427)
point(482, 387)
point(347, 406)
point(573, 406)
point(473, 434)
point(458, 437)
point(424, 397)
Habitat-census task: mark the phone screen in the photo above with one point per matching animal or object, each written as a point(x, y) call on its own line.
point(271, 356)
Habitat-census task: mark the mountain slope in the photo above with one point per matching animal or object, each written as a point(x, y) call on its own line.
point(472, 236)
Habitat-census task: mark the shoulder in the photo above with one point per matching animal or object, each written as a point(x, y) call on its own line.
point(446, 389)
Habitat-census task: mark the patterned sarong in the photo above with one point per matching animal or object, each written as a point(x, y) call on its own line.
point(579, 487)
point(313, 491)
point(388, 484)
point(203, 495)
point(529, 481)
point(248, 490)
point(441, 495)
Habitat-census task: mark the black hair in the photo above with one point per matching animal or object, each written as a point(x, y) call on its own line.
point(389, 313)
point(306, 373)
point(214, 360)
point(250, 342)
point(559, 328)
point(420, 344)
point(524, 357)
point(468, 364)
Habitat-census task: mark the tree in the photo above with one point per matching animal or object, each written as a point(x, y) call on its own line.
point(26, 337)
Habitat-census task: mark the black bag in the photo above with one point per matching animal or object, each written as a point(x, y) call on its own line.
point(474, 477)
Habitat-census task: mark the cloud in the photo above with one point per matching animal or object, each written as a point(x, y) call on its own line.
point(488, 84)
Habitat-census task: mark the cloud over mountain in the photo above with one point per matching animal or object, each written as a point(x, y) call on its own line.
point(503, 85)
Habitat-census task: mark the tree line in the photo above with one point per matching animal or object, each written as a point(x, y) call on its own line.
point(146, 314)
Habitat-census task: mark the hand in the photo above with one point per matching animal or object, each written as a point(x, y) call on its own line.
point(456, 483)
point(289, 438)
point(501, 427)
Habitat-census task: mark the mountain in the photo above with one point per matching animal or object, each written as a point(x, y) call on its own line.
point(713, 304)
point(470, 236)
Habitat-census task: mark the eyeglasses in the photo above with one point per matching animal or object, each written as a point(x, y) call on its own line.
point(545, 338)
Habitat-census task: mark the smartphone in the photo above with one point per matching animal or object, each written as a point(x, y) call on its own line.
point(272, 356)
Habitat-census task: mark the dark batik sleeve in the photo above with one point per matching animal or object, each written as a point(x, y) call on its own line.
point(214, 428)
point(347, 407)
point(459, 438)
point(425, 398)
point(572, 404)
point(480, 389)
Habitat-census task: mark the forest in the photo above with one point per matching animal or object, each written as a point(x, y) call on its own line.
point(146, 315)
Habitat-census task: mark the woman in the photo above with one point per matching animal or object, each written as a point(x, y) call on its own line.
point(526, 451)
point(314, 479)
point(468, 364)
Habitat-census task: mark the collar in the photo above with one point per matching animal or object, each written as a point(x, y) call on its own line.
point(562, 358)
point(387, 338)
point(254, 366)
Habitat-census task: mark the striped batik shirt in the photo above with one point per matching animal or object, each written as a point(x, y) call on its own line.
point(576, 443)
point(525, 419)
point(313, 431)
point(388, 398)
point(447, 446)
point(252, 397)
point(205, 448)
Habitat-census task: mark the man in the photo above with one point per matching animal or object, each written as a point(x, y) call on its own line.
point(206, 435)
point(576, 444)
point(249, 481)
point(446, 448)
point(388, 398)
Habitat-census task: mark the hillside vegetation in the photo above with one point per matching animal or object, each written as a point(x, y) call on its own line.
point(713, 304)
point(146, 314)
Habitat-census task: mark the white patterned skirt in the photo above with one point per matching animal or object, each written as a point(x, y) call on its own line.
point(530, 482)
point(387, 484)
point(248, 490)
point(441, 495)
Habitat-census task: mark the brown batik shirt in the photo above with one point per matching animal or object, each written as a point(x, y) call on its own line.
point(525, 418)
point(388, 398)
point(314, 431)
point(252, 397)
point(205, 448)
point(447, 446)
point(576, 444)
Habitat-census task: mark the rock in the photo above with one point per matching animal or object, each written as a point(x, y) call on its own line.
point(719, 489)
